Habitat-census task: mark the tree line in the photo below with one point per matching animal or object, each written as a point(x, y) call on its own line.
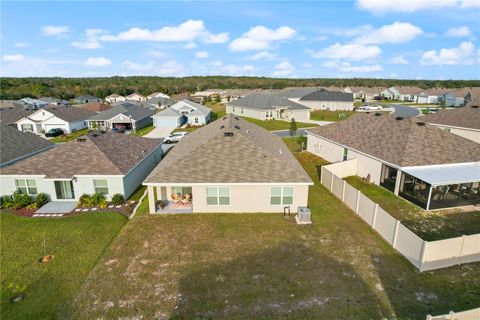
point(68, 88)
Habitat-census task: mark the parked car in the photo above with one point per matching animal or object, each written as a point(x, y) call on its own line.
point(175, 137)
point(55, 132)
point(377, 98)
point(118, 130)
point(370, 108)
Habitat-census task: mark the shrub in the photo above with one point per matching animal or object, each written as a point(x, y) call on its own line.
point(21, 200)
point(85, 200)
point(97, 199)
point(33, 206)
point(118, 199)
point(6, 202)
point(41, 199)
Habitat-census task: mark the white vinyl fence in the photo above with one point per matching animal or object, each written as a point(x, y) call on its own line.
point(473, 314)
point(425, 255)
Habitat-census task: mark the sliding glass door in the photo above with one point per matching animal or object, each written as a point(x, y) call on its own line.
point(64, 190)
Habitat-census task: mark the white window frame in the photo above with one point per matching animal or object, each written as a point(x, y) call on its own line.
point(27, 124)
point(27, 186)
point(95, 187)
point(217, 196)
point(282, 195)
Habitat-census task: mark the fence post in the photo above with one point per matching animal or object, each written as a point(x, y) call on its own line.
point(429, 317)
point(422, 254)
point(358, 201)
point(374, 218)
point(321, 175)
point(461, 250)
point(343, 191)
point(331, 180)
point(395, 233)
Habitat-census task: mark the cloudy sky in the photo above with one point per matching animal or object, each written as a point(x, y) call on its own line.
point(421, 39)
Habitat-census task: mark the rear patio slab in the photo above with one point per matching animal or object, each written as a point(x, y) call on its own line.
point(56, 207)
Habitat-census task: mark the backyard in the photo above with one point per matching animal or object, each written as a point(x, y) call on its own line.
point(68, 137)
point(76, 243)
point(324, 115)
point(143, 131)
point(241, 266)
point(430, 226)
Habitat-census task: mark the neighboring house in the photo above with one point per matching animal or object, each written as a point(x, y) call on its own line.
point(157, 103)
point(126, 115)
point(451, 100)
point(426, 98)
point(106, 163)
point(266, 106)
point(157, 95)
point(230, 165)
point(53, 101)
point(208, 93)
point(11, 115)
point(135, 97)
point(364, 93)
point(15, 145)
point(69, 119)
point(86, 98)
point(391, 93)
point(94, 107)
point(328, 100)
point(184, 111)
point(423, 164)
point(33, 104)
point(114, 98)
point(295, 94)
point(464, 122)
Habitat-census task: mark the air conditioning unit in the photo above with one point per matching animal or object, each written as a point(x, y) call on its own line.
point(303, 216)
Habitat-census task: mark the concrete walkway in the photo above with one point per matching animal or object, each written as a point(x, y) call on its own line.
point(159, 133)
point(57, 207)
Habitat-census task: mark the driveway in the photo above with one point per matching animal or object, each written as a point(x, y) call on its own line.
point(404, 110)
point(159, 133)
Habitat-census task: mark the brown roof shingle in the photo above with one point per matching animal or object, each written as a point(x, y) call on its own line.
point(466, 117)
point(94, 106)
point(96, 154)
point(251, 155)
point(405, 142)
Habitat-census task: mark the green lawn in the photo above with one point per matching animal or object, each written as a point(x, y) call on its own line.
point(273, 125)
point(264, 266)
point(76, 242)
point(144, 130)
point(435, 225)
point(68, 137)
point(323, 115)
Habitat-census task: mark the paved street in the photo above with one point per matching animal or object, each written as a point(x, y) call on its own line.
point(404, 111)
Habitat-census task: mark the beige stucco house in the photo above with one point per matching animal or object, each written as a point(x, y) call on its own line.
point(230, 165)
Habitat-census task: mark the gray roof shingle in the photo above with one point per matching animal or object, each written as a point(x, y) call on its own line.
point(9, 116)
point(324, 95)
point(406, 142)
point(97, 154)
point(251, 155)
point(129, 109)
point(70, 114)
point(466, 117)
point(16, 144)
point(266, 101)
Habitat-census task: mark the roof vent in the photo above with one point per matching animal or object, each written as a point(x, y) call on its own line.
point(224, 118)
point(237, 127)
point(378, 114)
point(399, 118)
point(474, 107)
point(94, 135)
point(236, 118)
point(222, 127)
point(228, 134)
point(81, 139)
point(421, 124)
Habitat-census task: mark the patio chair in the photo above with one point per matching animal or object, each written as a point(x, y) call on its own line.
point(186, 198)
point(176, 197)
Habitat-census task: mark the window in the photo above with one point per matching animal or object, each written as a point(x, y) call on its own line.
point(218, 196)
point(196, 119)
point(241, 110)
point(281, 196)
point(345, 154)
point(27, 127)
point(26, 186)
point(100, 186)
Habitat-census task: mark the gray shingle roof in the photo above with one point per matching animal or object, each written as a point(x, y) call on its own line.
point(70, 114)
point(400, 142)
point(137, 113)
point(266, 101)
point(251, 155)
point(324, 95)
point(16, 144)
point(9, 116)
point(100, 154)
point(296, 92)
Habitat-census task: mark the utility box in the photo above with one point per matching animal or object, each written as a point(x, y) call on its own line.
point(303, 216)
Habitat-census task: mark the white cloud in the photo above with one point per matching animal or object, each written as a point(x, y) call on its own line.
point(201, 54)
point(190, 45)
point(138, 66)
point(307, 65)
point(348, 52)
point(91, 39)
point(283, 69)
point(399, 60)
point(55, 31)
point(97, 62)
point(168, 68)
point(22, 44)
point(260, 38)
point(188, 31)
point(388, 6)
point(263, 55)
point(478, 52)
point(452, 56)
point(398, 32)
point(346, 67)
point(459, 32)
point(13, 57)
point(86, 45)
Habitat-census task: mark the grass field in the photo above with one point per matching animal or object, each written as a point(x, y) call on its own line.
point(76, 243)
point(323, 115)
point(144, 130)
point(68, 137)
point(434, 225)
point(273, 125)
point(263, 266)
